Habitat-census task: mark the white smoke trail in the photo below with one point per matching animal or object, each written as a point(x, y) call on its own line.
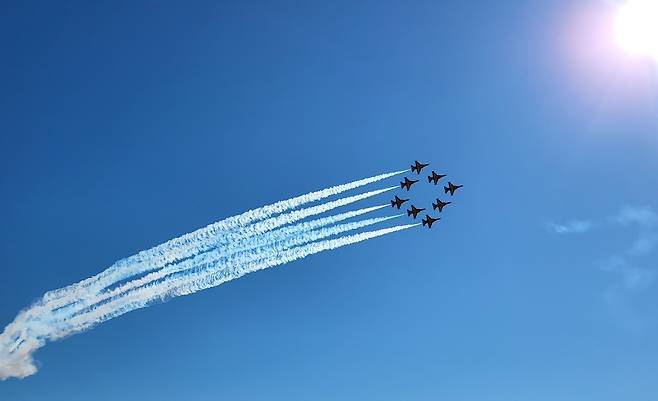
point(105, 279)
point(57, 320)
point(238, 245)
point(169, 251)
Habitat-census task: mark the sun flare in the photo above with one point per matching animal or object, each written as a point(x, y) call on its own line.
point(636, 27)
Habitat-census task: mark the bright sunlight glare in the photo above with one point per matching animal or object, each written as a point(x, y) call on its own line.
point(636, 27)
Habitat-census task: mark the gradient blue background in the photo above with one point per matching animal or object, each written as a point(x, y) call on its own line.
point(124, 124)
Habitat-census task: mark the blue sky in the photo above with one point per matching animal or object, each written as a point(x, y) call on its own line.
point(127, 124)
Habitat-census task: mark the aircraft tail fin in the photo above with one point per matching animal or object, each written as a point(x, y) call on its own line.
point(408, 212)
point(446, 189)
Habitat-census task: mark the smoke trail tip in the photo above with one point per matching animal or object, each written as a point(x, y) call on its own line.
point(386, 218)
point(373, 208)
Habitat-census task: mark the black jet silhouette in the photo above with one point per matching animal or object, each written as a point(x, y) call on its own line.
point(439, 205)
point(428, 221)
point(435, 177)
point(398, 202)
point(407, 183)
point(451, 188)
point(414, 211)
point(417, 166)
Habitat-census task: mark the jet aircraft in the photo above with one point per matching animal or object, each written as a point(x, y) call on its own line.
point(407, 183)
point(398, 202)
point(439, 205)
point(435, 177)
point(429, 221)
point(414, 211)
point(417, 166)
point(451, 188)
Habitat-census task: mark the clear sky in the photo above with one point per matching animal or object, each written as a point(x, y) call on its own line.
point(124, 124)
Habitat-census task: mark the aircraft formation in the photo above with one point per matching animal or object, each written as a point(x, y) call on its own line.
point(438, 205)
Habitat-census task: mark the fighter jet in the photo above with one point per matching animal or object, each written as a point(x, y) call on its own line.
point(429, 221)
point(439, 205)
point(417, 166)
point(398, 202)
point(451, 188)
point(414, 211)
point(435, 177)
point(407, 183)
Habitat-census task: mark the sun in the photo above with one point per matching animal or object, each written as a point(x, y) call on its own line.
point(636, 27)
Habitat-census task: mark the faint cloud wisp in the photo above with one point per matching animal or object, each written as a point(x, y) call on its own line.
point(643, 216)
point(631, 279)
point(572, 227)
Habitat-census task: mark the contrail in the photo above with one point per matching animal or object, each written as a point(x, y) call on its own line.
point(179, 248)
point(202, 259)
point(73, 296)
